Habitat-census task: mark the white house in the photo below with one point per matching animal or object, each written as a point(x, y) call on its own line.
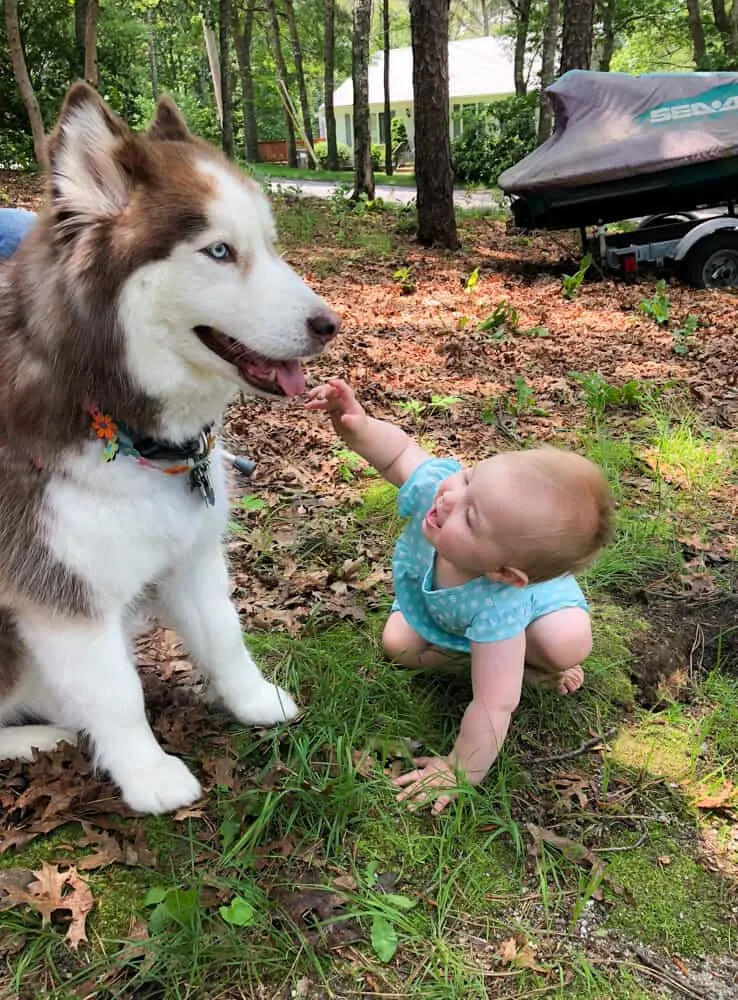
point(480, 70)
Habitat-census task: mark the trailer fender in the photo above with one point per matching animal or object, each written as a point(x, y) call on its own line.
point(705, 228)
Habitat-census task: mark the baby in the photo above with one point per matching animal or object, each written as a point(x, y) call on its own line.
point(483, 567)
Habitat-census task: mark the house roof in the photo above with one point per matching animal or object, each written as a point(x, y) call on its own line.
point(477, 67)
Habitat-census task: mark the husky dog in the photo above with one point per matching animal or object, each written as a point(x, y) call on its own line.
point(148, 290)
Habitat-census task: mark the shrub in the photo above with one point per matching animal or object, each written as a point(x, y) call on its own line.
point(495, 138)
point(399, 139)
point(377, 154)
point(344, 155)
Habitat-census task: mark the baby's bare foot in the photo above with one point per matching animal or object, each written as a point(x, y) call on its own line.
point(565, 682)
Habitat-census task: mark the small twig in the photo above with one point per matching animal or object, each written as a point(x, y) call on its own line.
point(630, 847)
point(697, 643)
point(580, 750)
point(531, 993)
point(656, 973)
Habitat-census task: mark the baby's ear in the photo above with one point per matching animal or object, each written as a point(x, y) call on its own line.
point(509, 575)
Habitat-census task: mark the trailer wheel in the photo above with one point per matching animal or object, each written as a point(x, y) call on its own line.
point(713, 261)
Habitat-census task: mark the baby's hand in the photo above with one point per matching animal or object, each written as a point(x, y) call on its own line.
point(337, 399)
point(423, 785)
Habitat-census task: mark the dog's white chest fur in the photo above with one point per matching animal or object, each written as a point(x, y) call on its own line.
point(120, 525)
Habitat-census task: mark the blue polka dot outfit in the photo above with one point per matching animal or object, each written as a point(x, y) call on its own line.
point(477, 611)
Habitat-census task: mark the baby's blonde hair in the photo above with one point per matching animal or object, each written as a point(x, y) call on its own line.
point(578, 509)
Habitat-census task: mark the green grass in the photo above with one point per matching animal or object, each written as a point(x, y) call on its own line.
point(281, 172)
point(314, 803)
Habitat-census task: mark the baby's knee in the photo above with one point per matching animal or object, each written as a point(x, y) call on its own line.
point(400, 643)
point(561, 639)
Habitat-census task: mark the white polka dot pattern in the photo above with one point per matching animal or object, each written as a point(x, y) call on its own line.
point(477, 611)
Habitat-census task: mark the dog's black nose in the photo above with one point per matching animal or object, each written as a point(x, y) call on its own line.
point(324, 324)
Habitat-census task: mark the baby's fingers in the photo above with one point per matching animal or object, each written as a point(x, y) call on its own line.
point(407, 779)
point(440, 804)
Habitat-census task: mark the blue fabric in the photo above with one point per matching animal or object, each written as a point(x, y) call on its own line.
point(14, 224)
point(477, 611)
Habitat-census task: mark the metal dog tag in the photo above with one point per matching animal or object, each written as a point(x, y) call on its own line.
point(200, 480)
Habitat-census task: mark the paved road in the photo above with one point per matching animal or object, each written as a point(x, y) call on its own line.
point(388, 192)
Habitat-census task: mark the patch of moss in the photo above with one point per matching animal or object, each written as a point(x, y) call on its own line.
point(609, 662)
point(675, 903)
point(720, 725)
point(118, 894)
point(580, 980)
point(654, 746)
point(56, 845)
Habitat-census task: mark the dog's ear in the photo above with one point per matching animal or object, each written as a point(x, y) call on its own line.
point(90, 175)
point(168, 124)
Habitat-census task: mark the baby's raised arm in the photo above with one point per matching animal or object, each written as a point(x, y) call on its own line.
point(391, 451)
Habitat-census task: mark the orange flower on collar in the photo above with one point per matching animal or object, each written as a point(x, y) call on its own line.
point(104, 426)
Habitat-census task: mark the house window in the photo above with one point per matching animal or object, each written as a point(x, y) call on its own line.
point(462, 113)
point(349, 130)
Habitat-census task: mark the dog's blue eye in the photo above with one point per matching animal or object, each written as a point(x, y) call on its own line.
point(219, 251)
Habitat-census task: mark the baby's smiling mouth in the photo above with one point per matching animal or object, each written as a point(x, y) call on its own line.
point(431, 518)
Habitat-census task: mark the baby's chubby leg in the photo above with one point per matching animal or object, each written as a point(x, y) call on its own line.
point(556, 646)
point(402, 644)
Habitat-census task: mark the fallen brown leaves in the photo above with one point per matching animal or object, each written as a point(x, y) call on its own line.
point(51, 892)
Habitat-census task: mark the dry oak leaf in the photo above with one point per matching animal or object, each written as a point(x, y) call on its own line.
point(51, 890)
point(723, 799)
point(522, 956)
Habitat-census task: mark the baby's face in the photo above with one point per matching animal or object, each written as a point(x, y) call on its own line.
point(472, 515)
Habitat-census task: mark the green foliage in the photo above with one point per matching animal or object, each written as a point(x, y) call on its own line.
point(402, 275)
point(496, 137)
point(398, 132)
point(415, 408)
point(344, 155)
point(570, 282)
point(523, 401)
point(683, 335)
point(471, 282)
point(502, 320)
point(377, 154)
point(600, 395)
point(658, 307)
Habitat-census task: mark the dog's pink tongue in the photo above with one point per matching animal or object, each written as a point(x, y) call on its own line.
point(275, 376)
point(289, 377)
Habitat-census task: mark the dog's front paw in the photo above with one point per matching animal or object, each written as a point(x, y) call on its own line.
point(160, 787)
point(264, 705)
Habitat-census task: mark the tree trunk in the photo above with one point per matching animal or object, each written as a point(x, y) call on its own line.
point(224, 34)
point(20, 71)
point(301, 88)
point(576, 41)
point(329, 83)
point(80, 23)
point(282, 82)
point(521, 9)
point(153, 70)
point(699, 49)
point(485, 16)
point(363, 174)
point(722, 23)
point(608, 35)
point(214, 63)
point(242, 36)
point(433, 173)
point(388, 163)
point(548, 69)
point(92, 16)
